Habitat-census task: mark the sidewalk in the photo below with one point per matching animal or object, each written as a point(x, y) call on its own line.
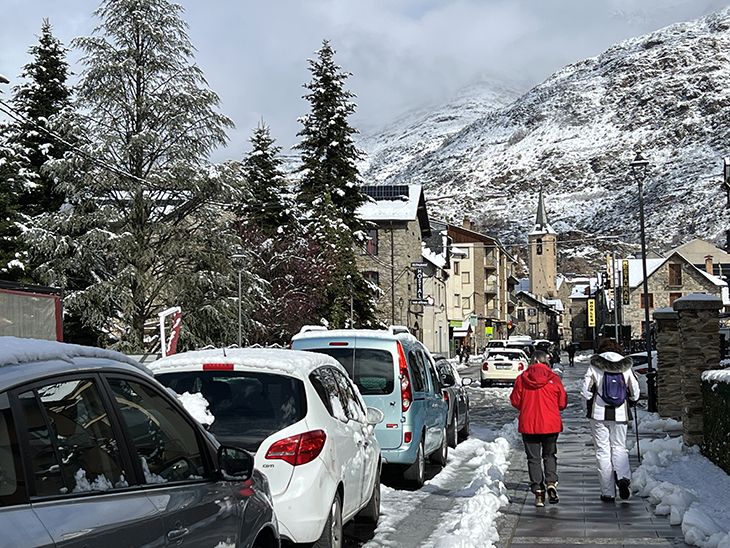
point(581, 518)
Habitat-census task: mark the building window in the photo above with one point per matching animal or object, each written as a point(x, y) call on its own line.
point(675, 274)
point(531, 312)
point(651, 300)
point(539, 246)
point(456, 268)
point(457, 299)
point(673, 297)
point(533, 329)
point(466, 302)
point(371, 247)
point(520, 314)
point(465, 277)
point(372, 277)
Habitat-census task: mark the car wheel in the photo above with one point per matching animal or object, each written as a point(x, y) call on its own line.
point(371, 512)
point(415, 474)
point(451, 431)
point(441, 456)
point(464, 432)
point(332, 534)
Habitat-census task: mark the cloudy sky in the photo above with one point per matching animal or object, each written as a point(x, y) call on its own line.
point(402, 53)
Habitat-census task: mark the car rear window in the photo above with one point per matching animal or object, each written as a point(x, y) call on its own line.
point(248, 407)
point(370, 368)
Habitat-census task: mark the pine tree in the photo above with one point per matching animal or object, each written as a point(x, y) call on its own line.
point(268, 207)
point(40, 100)
point(144, 222)
point(330, 190)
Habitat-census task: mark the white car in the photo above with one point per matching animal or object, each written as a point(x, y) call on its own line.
point(502, 365)
point(641, 368)
point(304, 420)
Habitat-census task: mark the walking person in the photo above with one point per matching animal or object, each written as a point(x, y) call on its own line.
point(539, 396)
point(609, 390)
point(571, 354)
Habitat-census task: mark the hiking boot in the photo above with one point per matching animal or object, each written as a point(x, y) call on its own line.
point(552, 493)
point(606, 498)
point(623, 488)
point(539, 499)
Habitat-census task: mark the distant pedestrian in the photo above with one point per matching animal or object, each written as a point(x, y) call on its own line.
point(539, 395)
point(458, 353)
point(468, 353)
point(571, 354)
point(609, 411)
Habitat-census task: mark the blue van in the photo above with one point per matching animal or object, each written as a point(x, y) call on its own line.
point(396, 374)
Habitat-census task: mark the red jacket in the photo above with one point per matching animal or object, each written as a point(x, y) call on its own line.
point(540, 396)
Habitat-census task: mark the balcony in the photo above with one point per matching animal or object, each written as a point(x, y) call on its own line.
point(492, 313)
point(490, 263)
point(491, 289)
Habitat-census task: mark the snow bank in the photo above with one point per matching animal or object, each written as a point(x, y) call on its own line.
point(684, 485)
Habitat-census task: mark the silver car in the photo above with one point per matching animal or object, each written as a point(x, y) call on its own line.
point(95, 452)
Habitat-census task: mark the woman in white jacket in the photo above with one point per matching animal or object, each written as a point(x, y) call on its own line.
point(609, 423)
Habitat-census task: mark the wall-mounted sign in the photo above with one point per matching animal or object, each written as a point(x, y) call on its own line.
point(489, 332)
point(625, 282)
point(454, 323)
point(591, 312)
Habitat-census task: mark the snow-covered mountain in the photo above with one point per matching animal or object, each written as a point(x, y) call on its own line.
point(665, 94)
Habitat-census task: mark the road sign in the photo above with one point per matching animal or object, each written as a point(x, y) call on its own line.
point(422, 302)
point(419, 265)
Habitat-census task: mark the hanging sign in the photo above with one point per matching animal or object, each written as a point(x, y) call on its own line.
point(625, 282)
point(591, 312)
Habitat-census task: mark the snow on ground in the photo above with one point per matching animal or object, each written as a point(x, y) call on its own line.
point(686, 487)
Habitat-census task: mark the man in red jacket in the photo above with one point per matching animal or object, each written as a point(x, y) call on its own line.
point(539, 395)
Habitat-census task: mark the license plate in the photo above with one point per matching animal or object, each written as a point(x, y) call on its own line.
point(503, 366)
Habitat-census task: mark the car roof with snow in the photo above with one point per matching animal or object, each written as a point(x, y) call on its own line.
point(25, 359)
point(354, 333)
point(294, 363)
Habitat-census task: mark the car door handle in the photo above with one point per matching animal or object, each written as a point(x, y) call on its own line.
point(177, 534)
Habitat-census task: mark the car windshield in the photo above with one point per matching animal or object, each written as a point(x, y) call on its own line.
point(504, 355)
point(495, 344)
point(370, 368)
point(639, 360)
point(248, 407)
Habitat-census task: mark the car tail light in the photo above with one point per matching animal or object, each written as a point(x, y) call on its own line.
point(520, 366)
point(217, 367)
point(406, 392)
point(446, 395)
point(485, 366)
point(408, 437)
point(299, 449)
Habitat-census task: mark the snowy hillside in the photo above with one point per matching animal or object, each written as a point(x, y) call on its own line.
point(666, 94)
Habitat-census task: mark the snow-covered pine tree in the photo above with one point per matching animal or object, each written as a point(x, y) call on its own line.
point(140, 186)
point(330, 190)
point(268, 206)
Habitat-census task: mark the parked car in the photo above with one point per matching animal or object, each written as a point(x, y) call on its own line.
point(457, 418)
point(396, 374)
point(641, 368)
point(95, 452)
point(527, 346)
point(307, 424)
point(502, 365)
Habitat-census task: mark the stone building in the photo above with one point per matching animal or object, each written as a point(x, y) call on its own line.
point(706, 256)
point(542, 243)
point(669, 279)
point(536, 318)
point(392, 258)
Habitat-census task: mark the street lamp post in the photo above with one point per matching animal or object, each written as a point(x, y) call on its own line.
point(638, 168)
point(239, 298)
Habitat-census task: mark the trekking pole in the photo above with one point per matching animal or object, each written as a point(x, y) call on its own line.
point(636, 425)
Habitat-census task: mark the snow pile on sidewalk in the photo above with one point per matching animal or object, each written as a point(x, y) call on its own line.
point(684, 485)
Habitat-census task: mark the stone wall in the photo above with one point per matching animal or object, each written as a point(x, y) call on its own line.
point(669, 357)
point(698, 327)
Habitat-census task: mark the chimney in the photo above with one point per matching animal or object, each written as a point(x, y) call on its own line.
point(467, 223)
point(708, 264)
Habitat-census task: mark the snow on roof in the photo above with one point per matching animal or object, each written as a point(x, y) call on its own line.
point(436, 259)
point(279, 360)
point(14, 350)
point(557, 304)
point(636, 271)
point(717, 376)
point(404, 209)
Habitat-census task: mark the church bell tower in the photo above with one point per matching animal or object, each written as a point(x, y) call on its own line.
point(543, 255)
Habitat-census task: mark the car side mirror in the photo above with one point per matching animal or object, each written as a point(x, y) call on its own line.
point(235, 464)
point(466, 381)
point(448, 380)
point(375, 416)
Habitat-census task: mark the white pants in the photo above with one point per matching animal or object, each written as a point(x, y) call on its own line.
point(609, 438)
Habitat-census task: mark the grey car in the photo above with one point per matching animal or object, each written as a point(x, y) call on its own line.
point(457, 419)
point(94, 452)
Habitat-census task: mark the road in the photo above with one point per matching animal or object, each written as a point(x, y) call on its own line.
point(413, 519)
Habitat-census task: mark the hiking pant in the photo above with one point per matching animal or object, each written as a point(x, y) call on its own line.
point(541, 447)
point(609, 439)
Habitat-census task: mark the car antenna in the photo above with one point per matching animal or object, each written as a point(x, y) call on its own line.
point(224, 353)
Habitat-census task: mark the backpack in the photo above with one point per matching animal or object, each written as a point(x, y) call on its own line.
point(614, 389)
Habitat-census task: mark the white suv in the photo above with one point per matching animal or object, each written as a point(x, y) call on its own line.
point(306, 422)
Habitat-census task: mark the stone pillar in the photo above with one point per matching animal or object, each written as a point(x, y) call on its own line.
point(698, 331)
point(669, 354)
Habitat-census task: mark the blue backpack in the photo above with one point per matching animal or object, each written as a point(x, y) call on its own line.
point(614, 389)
